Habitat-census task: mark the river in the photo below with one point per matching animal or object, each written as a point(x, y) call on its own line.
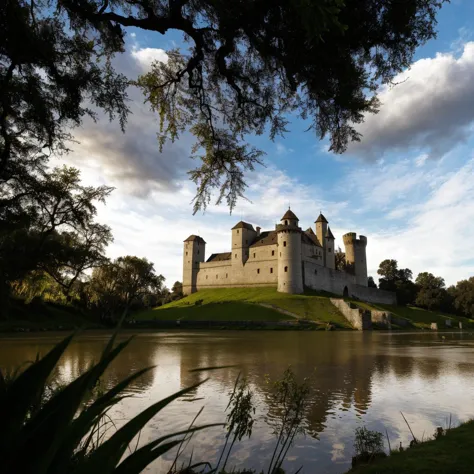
point(359, 378)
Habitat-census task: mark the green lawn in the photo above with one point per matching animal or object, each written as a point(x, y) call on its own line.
point(453, 453)
point(238, 311)
point(420, 318)
point(246, 306)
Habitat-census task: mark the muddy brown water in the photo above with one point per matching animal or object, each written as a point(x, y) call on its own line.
point(358, 379)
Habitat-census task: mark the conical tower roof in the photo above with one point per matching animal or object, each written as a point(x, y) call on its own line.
point(321, 218)
point(289, 214)
point(329, 234)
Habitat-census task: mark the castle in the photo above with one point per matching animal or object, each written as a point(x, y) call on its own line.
point(288, 257)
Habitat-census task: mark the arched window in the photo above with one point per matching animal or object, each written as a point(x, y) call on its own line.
point(273, 253)
point(258, 270)
point(284, 243)
point(286, 269)
point(271, 270)
point(286, 222)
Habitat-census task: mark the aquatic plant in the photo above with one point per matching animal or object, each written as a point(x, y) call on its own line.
point(55, 434)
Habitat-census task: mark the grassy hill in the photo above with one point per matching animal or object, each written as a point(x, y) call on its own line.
point(266, 304)
point(420, 318)
point(249, 304)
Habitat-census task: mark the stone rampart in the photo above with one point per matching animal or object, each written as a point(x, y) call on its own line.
point(373, 295)
point(360, 319)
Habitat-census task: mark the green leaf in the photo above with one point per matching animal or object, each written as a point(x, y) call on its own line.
point(104, 459)
point(136, 463)
point(216, 367)
point(86, 420)
point(22, 392)
point(144, 456)
point(43, 436)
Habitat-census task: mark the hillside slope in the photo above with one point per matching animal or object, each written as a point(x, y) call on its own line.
point(246, 304)
point(421, 318)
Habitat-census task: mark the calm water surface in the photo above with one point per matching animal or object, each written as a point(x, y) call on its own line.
point(359, 379)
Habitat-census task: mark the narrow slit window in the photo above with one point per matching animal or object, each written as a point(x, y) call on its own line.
point(286, 269)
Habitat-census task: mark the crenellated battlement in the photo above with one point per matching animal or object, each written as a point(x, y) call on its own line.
point(286, 257)
point(351, 239)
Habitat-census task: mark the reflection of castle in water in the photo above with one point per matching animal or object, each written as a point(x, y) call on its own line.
point(343, 374)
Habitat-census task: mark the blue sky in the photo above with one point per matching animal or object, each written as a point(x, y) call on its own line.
point(408, 186)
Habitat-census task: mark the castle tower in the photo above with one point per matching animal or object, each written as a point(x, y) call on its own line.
point(329, 250)
point(193, 254)
point(356, 255)
point(243, 235)
point(321, 230)
point(290, 274)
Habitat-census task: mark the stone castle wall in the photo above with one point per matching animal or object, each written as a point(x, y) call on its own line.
point(358, 318)
point(373, 295)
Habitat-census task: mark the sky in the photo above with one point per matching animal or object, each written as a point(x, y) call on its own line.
point(408, 185)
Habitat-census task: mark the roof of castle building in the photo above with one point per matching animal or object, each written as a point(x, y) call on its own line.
point(196, 238)
point(265, 238)
point(243, 225)
point(329, 234)
point(309, 237)
point(219, 257)
point(289, 214)
point(321, 218)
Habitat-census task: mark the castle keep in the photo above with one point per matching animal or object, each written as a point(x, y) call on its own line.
point(288, 257)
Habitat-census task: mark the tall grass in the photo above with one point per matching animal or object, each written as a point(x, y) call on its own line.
point(51, 429)
point(56, 435)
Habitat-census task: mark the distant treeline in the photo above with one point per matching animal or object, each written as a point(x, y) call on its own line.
point(427, 291)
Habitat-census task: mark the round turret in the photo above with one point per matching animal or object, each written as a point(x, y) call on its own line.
point(289, 219)
point(356, 255)
point(290, 276)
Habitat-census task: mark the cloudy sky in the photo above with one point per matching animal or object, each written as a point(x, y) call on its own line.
point(408, 186)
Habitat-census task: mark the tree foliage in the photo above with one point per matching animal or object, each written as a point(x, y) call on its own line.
point(431, 291)
point(371, 283)
point(48, 224)
point(114, 287)
point(463, 294)
point(397, 280)
point(249, 67)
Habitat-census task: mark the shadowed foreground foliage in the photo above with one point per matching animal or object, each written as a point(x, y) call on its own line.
point(51, 429)
point(56, 435)
point(452, 453)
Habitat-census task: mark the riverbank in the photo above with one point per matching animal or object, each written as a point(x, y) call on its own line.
point(266, 304)
point(451, 453)
point(231, 308)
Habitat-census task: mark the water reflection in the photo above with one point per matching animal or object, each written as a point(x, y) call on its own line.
point(359, 378)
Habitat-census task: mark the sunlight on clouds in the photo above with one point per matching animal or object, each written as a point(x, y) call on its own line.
point(147, 56)
point(431, 108)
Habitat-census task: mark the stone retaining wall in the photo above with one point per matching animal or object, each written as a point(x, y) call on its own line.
point(360, 319)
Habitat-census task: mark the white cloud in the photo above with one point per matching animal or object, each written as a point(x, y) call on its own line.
point(282, 149)
point(147, 56)
point(434, 233)
point(431, 108)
